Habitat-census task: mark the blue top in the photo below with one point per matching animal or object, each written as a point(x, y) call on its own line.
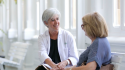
point(99, 51)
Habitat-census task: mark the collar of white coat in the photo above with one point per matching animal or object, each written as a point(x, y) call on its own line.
point(60, 32)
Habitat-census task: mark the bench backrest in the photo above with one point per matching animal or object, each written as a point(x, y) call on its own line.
point(18, 50)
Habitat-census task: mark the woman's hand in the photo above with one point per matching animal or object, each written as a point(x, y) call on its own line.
point(62, 64)
point(66, 69)
point(54, 66)
point(55, 69)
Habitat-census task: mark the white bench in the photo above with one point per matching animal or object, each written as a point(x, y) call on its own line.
point(17, 54)
point(116, 58)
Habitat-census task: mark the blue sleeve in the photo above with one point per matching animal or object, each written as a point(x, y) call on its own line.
point(99, 52)
point(94, 55)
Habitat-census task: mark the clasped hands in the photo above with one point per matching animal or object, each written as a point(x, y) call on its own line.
point(59, 66)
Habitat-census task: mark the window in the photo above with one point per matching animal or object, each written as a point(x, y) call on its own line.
point(116, 18)
point(66, 14)
point(117, 14)
point(74, 14)
point(37, 15)
point(70, 16)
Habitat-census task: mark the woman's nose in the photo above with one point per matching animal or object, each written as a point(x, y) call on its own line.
point(56, 21)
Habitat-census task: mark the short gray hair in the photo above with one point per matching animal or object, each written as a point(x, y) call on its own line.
point(49, 13)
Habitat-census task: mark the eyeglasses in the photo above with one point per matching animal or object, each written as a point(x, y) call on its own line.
point(82, 26)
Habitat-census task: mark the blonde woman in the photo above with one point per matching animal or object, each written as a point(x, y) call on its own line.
point(98, 53)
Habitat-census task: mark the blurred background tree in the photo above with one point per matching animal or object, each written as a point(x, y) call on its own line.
point(1, 1)
point(1, 44)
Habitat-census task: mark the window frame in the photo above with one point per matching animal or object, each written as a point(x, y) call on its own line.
point(118, 30)
point(70, 16)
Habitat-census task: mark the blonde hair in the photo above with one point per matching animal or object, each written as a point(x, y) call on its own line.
point(95, 25)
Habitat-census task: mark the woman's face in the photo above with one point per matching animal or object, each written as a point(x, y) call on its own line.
point(53, 23)
point(82, 26)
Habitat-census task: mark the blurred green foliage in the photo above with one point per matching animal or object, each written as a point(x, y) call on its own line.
point(1, 44)
point(1, 1)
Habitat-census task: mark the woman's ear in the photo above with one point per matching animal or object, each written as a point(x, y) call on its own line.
point(45, 23)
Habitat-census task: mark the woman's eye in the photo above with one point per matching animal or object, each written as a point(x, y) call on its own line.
point(52, 19)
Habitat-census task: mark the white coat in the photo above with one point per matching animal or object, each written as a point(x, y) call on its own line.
point(66, 46)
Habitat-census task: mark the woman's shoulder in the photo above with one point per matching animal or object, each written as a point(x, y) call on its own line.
point(63, 30)
point(45, 34)
point(66, 35)
point(103, 40)
point(100, 40)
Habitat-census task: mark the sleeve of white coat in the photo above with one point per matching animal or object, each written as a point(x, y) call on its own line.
point(42, 49)
point(73, 54)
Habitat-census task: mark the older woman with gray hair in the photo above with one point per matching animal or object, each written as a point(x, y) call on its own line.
point(57, 47)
